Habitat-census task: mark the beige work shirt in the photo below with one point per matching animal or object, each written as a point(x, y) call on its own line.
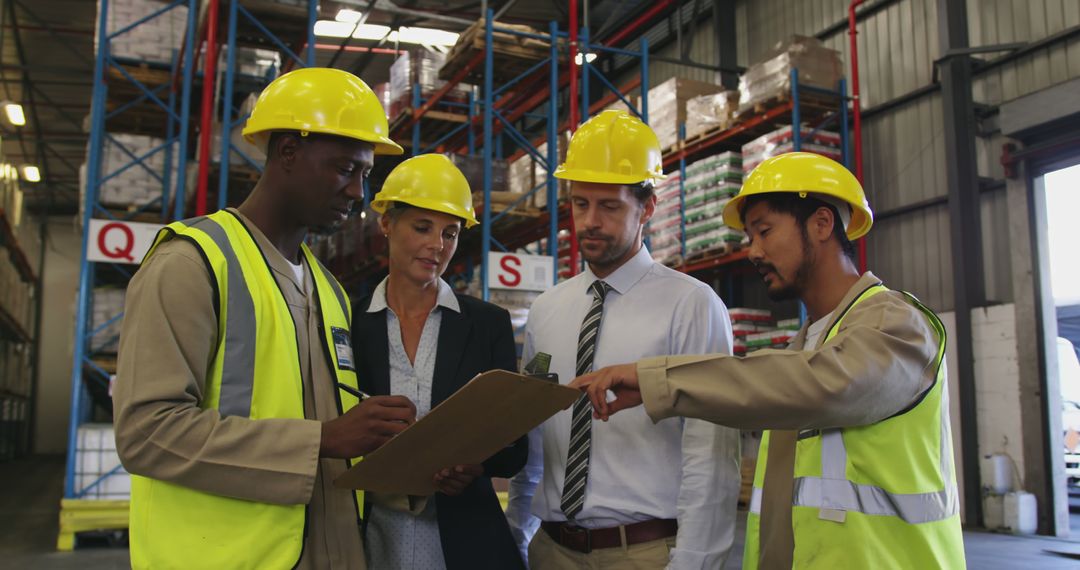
point(879, 363)
point(167, 343)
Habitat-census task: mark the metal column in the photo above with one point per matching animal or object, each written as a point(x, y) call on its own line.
point(969, 288)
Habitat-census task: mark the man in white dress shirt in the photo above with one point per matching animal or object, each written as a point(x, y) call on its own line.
point(627, 493)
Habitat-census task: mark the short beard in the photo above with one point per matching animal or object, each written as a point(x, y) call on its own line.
point(802, 274)
point(326, 229)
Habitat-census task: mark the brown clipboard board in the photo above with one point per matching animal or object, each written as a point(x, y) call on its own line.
point(489, 413)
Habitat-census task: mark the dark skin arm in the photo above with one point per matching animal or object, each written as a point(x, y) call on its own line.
point(366, 427)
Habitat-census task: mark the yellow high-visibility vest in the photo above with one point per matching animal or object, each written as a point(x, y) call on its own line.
point(876, 496)
point(255, 374)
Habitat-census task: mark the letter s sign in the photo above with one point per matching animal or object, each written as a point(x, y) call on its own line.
point(510, 276)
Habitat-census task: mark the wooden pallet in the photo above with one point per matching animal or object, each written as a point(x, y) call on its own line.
point(513, 54)
point(80, 515)
point(811, 105)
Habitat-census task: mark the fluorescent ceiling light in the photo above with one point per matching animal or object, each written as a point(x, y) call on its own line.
point(349, 16)
point(424, 36)
point(332, 29)
point(14, 112)
point(31, 173)
point(589, 57)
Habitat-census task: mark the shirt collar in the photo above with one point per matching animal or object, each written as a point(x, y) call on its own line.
point(446, 297)
point(627, 275)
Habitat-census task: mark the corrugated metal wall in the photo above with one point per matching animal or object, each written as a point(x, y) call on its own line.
point(904, 156)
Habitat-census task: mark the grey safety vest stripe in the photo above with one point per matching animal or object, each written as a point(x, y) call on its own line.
point(833, 491)
point(238, 362)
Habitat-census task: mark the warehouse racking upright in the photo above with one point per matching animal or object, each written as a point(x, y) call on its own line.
point(145, 97)
point(114, 121)
point(501, 110)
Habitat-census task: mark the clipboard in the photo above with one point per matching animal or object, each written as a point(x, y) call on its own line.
point(489, 413)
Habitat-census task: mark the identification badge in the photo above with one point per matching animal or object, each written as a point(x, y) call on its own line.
point(343, 346)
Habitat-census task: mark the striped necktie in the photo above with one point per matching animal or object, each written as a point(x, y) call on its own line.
point(577, 463)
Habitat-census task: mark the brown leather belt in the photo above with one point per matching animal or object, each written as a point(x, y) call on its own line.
point(586, 540)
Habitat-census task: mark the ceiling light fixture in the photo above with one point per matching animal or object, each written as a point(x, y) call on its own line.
point(31, 173)
point(348, 16)
point(14, 113)
point(589, 57)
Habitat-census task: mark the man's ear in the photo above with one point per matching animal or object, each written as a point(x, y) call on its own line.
point(648, 209)
point(286, 148)
point(820, 225)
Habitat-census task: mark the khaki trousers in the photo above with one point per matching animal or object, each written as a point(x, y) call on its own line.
point(546, 554)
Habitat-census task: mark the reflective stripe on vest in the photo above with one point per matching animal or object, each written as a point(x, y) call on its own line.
point(254, 373)
point(833, 491)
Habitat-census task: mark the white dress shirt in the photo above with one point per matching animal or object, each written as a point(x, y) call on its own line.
point(674, 469)
point(397, 539)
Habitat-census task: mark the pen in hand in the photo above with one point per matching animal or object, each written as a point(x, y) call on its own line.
point(362, 395)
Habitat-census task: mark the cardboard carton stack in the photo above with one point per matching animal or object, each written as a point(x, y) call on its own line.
point(16, 296)
point(667, 106)
point(108, 303)
point(746, 322)
point(156, 40)
point(418, 66)
point(136, 186)
point(253, 62)
point(770, 78)
point(714, 111)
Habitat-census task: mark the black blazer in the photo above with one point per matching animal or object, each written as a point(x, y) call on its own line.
point(472, 526)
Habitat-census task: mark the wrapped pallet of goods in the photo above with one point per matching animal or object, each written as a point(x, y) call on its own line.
point(419, 66)
point(540, 172)
point(710, 113)
point(155, 40)
point(108, 304)
point(665, 228)
point(97, 466)
point(667, 106)
point(136, 186)
point(513, 54)
point(780, 141)
point(770, 79)
point(748, 321)
point(710, 183)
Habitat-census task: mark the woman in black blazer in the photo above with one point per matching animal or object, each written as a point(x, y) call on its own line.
point(414, 336)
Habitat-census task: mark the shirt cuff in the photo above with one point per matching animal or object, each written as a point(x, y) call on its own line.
point(655, 391)
point(692, 560)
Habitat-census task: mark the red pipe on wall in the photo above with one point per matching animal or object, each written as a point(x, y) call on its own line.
point(856, 112)
point(205, 130)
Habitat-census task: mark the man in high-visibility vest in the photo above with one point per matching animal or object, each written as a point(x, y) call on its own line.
point(236, 401)
point(856, 468)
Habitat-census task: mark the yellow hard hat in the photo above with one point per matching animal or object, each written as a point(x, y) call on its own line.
point(320, 100)
point(613, 147)
point(428, 181)
point(805, 173)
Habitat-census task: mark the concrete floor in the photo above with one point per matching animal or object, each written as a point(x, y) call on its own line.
point(30, 490)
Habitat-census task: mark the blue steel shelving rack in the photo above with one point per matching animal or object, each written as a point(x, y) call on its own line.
point(172, 179)
point(491, 147)
point(231, 116)
point(791, 109)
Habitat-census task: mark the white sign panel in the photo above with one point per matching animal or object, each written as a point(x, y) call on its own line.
point(113, 241)
point(520, 272)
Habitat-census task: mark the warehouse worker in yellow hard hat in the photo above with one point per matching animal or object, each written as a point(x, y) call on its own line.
point(414, 336)
point(236, 400)
point(628, 493)
point(855, 469)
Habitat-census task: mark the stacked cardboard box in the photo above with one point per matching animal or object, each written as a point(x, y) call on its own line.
point(137, 185)
point(108, 303)
point(98, 471)
point(15, 377)
point(665, 227)
point(825, 143)
point(418, 66)
point(818, 66)
point(155, 40)
point(253, 62)
point(714, 111)
point(16, 296)
point(667, 106)
point(710, 183)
